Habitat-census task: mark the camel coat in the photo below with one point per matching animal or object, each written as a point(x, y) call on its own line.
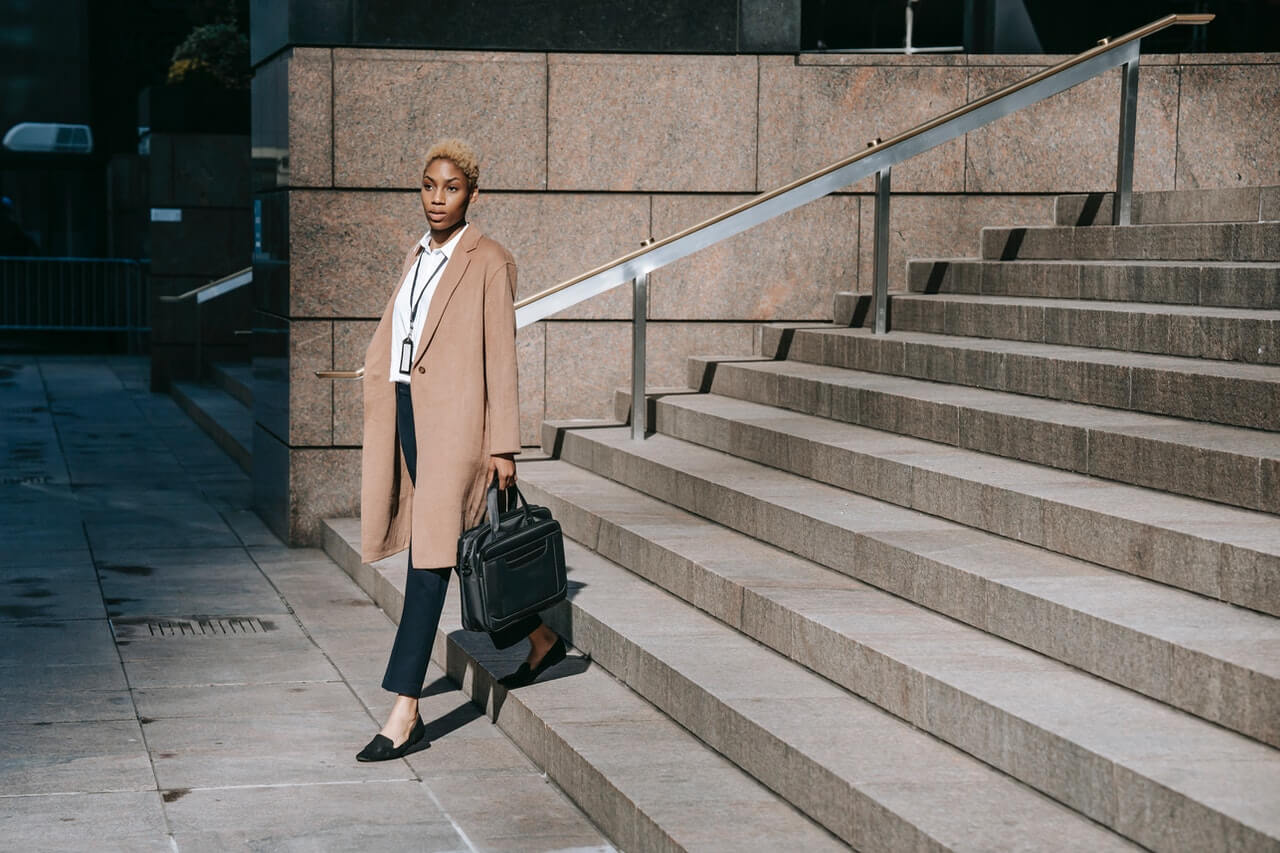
point(465, 408)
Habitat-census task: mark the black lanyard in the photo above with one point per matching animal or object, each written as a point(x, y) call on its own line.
point(413, 303)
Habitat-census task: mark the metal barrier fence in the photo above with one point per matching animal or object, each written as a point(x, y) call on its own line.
point(75, 294)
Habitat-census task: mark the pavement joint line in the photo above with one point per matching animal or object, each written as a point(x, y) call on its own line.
point(62, 450)
point(466, 839)
point(79, 793)
point(75, 722)
point(236, 684)
point(124, 671)
point(292, 785)
point(97, 573)
point(72, 619)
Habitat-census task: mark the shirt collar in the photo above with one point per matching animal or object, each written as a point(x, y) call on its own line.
point(448, 247)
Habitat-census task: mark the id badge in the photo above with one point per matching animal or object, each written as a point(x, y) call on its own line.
point(406, 355)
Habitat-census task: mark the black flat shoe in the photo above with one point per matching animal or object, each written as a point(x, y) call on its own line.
point(380, 748)
point(525, 675)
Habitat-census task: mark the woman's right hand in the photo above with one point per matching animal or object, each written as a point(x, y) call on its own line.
point(504, 466)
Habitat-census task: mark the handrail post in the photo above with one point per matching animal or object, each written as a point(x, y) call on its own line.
point(908, 48)
point(1122, 207)
point(199, 344)
point(881, 250)
point(639, 314)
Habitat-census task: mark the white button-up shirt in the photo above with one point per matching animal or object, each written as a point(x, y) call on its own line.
point(413, 301)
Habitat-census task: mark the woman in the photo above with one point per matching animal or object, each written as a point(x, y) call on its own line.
point(440, 409)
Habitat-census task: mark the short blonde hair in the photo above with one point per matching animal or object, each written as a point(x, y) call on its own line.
point(461, 154)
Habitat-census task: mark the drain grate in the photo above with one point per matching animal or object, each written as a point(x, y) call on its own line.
point(32, 480)
point(210, 626)
point(206, 627)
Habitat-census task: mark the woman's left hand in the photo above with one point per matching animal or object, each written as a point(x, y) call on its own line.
point(505, 467)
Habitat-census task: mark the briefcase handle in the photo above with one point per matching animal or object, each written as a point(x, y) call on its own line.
point(492, 499)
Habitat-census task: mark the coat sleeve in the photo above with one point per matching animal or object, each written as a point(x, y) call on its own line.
point(500, 378)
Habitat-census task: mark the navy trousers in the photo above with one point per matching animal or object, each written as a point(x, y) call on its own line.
point(424, 590)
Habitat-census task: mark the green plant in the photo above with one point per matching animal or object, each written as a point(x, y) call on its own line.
point(216, 53)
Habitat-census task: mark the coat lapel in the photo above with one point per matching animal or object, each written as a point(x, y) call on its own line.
point(449, 281)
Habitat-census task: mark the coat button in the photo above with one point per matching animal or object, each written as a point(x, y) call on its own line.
point(422, 369)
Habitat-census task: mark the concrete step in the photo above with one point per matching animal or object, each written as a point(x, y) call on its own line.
point(1224, 553)
point(645, 781)
point(1227, 285)
point(1045, 723)
point(1245, 395)
point(1238, 241)
point(1216, 661)
point(234, 378)
point(875, 781)
point(1226, 204)
point(1225, 334)
point(227, 420)
point(1225, 464)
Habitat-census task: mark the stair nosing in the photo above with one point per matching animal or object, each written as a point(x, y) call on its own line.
point(1247, 285)
point(1241, 371)
point(1074, 303)
point(1134, 234)
point(1098, 262)
point(1130, 227)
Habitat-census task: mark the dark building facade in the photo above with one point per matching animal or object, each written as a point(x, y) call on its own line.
point(44, 77)
point(752, 26)
point(85, 63)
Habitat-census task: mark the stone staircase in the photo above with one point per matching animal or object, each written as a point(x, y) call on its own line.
point(1006, 578)
point(223, 408)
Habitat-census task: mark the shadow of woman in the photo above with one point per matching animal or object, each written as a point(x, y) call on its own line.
point(449, 722)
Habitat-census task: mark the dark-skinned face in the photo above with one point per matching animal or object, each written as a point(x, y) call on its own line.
point(445, 196)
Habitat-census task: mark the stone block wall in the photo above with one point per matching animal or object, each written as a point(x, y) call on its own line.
point(588, 154)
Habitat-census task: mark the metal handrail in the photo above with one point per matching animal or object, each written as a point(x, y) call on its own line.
point(881, 156)
point(215, 288)
point(204, 293)
point(340, 374)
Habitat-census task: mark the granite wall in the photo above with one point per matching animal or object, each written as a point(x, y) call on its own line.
point(588, 154)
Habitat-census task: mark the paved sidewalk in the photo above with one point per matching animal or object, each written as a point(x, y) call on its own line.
point(128, 725)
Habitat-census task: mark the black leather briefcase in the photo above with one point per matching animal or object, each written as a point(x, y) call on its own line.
point(511, 565)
